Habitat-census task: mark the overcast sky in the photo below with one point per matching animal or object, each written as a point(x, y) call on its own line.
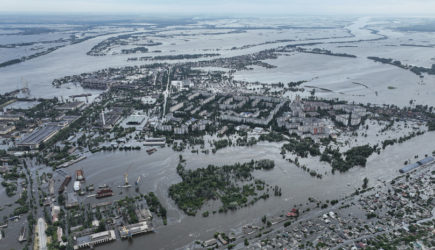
point(267, 7)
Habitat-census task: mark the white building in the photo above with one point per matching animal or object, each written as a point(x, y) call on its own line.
point(148, 100)
point(182, 85)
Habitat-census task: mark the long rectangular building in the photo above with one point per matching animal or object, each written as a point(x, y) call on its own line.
point(133, 229)
point(95, 239)
point(422, 162)
point(39, 136)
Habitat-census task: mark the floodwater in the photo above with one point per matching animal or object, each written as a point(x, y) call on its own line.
point(158, 172)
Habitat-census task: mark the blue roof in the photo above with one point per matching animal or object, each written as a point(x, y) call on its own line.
point(426, 160)
point(409, 167)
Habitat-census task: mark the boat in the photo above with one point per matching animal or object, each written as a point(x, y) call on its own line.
point(22, 237)
point(79, 175)
point(151, 150)
point(64, 184)
point(104, 192)
point(77, 186)
point(103, 186)
point(137, 181)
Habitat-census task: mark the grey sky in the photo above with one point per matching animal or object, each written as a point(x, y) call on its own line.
point(268, 7)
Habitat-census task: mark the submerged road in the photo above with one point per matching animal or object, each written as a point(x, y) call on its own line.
point(42, 235)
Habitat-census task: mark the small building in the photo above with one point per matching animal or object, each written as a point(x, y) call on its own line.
point(55, 210)
point(223, 130)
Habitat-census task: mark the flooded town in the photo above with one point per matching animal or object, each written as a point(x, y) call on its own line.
point(217, 133)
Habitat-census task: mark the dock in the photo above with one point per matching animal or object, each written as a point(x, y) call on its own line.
point(69, 163)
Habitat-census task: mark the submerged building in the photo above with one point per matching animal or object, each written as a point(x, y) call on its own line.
point(422, 162)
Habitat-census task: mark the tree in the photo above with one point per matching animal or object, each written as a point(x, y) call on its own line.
point(365, 182)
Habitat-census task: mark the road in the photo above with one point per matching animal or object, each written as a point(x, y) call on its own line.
point(42, 235)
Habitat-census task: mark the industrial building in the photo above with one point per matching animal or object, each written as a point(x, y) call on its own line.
point(72, 200)
point(135, 119)
point(155, 141)
point(11, 117)
point(422, 162)
point(134, 229)
point(69, 106)
point(95, 239)
point(39, 136)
